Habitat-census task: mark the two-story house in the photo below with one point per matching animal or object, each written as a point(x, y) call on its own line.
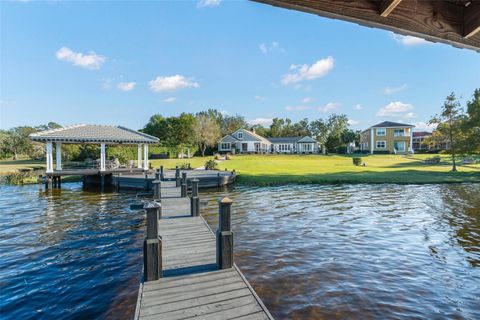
point(388, 137)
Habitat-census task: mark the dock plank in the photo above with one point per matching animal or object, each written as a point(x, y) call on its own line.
point(189, 245)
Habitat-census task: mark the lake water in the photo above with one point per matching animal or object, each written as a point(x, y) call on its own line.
point(310, 252)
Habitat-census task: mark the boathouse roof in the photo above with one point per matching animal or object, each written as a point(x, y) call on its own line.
point(87, 133)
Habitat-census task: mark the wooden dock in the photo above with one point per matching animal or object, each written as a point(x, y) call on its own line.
point(193, 286)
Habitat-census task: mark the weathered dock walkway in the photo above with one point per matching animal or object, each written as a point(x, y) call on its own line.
point(193, 285)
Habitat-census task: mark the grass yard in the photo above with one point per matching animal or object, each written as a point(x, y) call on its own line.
point(283, 169)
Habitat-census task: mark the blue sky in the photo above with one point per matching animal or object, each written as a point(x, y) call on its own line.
point(119, 63)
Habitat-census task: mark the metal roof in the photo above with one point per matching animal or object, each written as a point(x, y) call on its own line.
point(86, 133)
point(389, 124)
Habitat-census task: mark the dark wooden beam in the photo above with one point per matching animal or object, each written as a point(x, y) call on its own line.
point(433, 20)
point(471, 16)
point(387, 6)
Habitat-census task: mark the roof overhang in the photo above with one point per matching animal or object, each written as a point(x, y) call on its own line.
point(455, 22)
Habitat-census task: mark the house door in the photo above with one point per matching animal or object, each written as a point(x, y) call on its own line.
point(244, 146)
point(399, 145)
point(257, 147)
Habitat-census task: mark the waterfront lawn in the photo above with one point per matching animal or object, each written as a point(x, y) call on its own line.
point(12, 166)
point(283, 169)
point(195, 162)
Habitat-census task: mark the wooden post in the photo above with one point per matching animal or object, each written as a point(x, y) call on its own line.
point(145, 187)
point(177, 177)
point(157, 174)
point(183, 188)
point(59, 182)
point(224, 235)
point(218, 179)
point(195, 200)
point(161, 173)
point(157, 185)
point(152, 246)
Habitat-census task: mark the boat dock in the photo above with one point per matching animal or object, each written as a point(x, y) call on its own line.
point(189, 271)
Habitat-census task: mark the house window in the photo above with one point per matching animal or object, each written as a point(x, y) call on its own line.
point(381, 132)
point(225, 146)
point(381, 144)
point(398, 133)
point(240, 135)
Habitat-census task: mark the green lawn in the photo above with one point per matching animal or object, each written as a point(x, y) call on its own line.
point(282, 169)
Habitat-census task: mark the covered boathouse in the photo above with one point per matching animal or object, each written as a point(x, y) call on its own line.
point(102, 135)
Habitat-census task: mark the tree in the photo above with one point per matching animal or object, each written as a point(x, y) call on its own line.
point(16, 141)
point(471, 125)
point(319, 130)
point(449, 123)
point(336, 125)
point(157, 126)
point(232, 123)
point(207, 131)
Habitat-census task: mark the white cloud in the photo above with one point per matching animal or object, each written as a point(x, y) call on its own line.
point(307, 100)
point(394, 109)
point(208, 3)
point(329, 107)
point(260, 98)
point(408, 41)
point(126, 86)
point(353, 122)
point(423, 126)
point(305, 72)
point(172, 83)
point(261, 121)
point(269, 47)
point(358, 106)
point(410, 115)
point(107, 83)
point(170, 100)
point(297, 108)
point(90, 61)
point(390, 90)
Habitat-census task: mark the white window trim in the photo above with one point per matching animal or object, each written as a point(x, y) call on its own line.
point(381, 135)
point(402, 135)
point(225, 143)
point(240, 135)
point(376, 144)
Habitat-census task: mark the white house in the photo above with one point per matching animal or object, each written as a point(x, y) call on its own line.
point(245, 141)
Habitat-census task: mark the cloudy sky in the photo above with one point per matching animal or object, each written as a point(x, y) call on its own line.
point(119, 63)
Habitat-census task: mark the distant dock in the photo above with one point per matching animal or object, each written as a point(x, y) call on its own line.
point(188, 270)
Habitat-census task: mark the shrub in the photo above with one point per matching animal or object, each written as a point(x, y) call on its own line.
point(211, 165)
point(381, 152)
point(361, 151)
point(185, 166)
point(341, 149)
point(21, 177)
point(217, 156)
point(357, 161)
point(228, 156)
point(433, 160)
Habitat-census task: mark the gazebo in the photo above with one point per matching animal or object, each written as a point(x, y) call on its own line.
point(93, 134)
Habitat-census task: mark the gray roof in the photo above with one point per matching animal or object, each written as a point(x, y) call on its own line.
point(284, 139)
point(389, 124)
point(85, 133)
point(305, 139)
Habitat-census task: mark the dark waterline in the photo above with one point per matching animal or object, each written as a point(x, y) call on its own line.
point(311, 252)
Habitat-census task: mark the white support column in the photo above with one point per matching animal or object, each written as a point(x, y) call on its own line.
point(145, 156)
point(372, 131)
point(58, 158)
point(139, 161)
point(411, 140)
point(49, 157)
point(102, 157)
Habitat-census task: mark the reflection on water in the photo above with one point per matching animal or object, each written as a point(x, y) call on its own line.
point(311, 252)
point(361, 251)
point(68, 254)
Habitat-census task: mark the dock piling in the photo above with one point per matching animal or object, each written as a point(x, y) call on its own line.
point(224, 235)
point(157, 187)
point(183, 188)
point(152, 246)
point(161, 173)
point(195, 200)
point(177, 177)
point(157, 174)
